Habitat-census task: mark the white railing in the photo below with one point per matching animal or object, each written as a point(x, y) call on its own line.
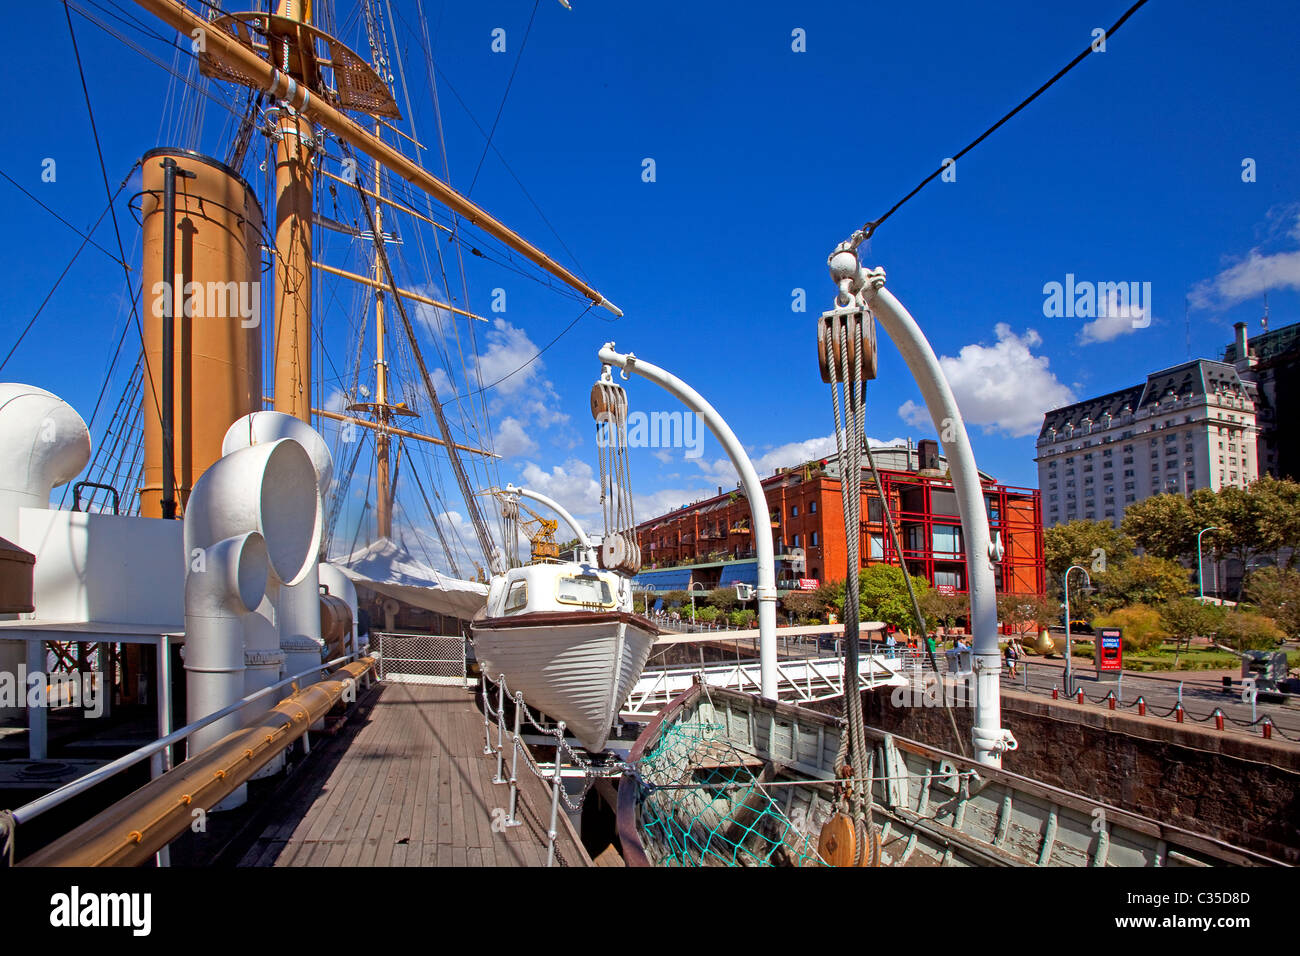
point(798, 681)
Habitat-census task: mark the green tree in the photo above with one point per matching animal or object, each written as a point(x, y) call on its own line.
point(942, 609)
point(706, 614)
point(675, 598)
point(1185, 618)
point(802, 604)
point(1277, 592)
point(1078, 542)
point(1027, 612)
point(1162, 525)
point(724, 599)
point(1249, 631)
point(1142, 580)
point(882, 595)
point(1141, 624)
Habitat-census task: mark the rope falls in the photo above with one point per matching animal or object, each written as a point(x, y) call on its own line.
point(619, 551)
point(846, 350)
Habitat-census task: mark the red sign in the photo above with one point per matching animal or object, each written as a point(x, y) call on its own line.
point(946, 588)
point(808, 584)
point(1109, 649)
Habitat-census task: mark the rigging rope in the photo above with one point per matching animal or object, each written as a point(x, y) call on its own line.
point(869, 228)
point(619, 551)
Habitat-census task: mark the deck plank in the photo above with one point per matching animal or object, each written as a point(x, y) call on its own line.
point(411, 769)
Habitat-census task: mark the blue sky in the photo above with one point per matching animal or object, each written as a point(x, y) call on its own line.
point(1130, 169)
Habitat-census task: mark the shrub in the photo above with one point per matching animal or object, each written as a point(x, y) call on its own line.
point(1247, 631)
point(1142, 627)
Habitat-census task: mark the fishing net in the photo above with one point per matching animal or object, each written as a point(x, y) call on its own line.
point(701, 805)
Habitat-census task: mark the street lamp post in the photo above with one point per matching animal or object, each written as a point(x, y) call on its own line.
point(1200, 581)
point(695, 586)
point(1069, 674)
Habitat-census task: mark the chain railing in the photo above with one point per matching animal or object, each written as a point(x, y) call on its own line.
point(1178, 711)
point(517, 746)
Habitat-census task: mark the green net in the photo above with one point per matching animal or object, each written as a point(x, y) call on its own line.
point(701, 805)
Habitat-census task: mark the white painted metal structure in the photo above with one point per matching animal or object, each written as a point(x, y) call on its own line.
point(798, 681)
point(753, 488)
point(989, 737)
point(583, 540)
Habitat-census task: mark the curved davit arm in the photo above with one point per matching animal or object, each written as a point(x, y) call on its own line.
point(989, 737)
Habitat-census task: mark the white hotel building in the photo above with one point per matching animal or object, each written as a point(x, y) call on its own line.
point(1187, 427)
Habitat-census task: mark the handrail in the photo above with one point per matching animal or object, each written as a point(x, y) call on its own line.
point(29, 811)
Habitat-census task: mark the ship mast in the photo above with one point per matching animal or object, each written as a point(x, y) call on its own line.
point(294, 145)
point(381, 410)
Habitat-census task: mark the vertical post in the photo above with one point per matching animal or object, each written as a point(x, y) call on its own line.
point(38, 741)
point(556, 783)
point(501, 719)
point(514, 762)
point(487, 724)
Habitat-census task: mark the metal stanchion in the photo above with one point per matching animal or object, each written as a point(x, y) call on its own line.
point(514, 762)
point(487, 722)
point(556, 783)
point(501, 719)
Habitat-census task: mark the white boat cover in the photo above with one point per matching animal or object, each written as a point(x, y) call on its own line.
point(388, 568)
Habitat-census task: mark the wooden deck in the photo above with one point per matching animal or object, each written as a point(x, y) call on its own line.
point(406, 784)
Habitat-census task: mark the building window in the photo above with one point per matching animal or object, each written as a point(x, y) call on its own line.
point(812, 507)
point(794, 511)
point(812, 539)
point(875, 546)
point(874, 511)
point(796, 541)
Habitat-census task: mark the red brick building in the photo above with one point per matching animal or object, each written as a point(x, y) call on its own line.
point(711, 542)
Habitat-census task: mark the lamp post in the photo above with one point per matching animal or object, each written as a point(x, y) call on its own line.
point(695, 586)
point(1069, 674)
point(1200, 581)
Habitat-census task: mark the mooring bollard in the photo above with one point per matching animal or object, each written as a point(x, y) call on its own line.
point(1268, 728)
point(1218, 719)
point(1079, 696)
point(556, 783)
point(1178, 712)
point(1055, 693)
point(1142, 706)
point(1110, 699)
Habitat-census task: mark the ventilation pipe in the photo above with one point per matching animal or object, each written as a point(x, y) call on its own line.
point(43, 444)
point(296, 603)
point(226, 581)
point(268, 490)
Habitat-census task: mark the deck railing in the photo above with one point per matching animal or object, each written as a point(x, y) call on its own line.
point(158, 752)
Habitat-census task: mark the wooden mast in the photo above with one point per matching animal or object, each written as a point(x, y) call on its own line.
point(244, 63)
point(294, 146)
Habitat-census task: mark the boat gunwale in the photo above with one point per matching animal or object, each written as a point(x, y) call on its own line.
point(555, 618)
point(634, 850)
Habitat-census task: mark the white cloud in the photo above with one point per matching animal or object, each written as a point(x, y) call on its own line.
point(508, 349)
point(1258, 272)
point(721, 471)
point(1003, 387)
point(1252, 277)
point(511, 440)
point(1116, 318)
point(572, 485)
